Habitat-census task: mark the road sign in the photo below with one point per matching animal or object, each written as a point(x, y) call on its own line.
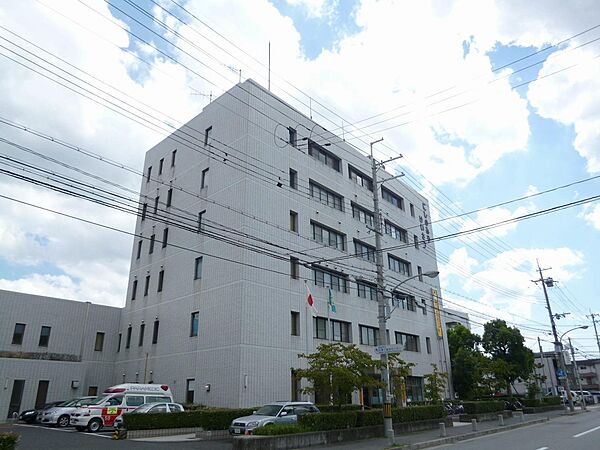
point(389, 348)
point(561, 374)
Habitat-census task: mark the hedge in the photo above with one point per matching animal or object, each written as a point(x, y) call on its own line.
point(483, 407)
point(8, 441)
point(546, 401)
point(369, 418)
point(279, 428)
point(209, 419)
point(553, 400)
point(336, 408)
point(329, 421)
point(415, 413)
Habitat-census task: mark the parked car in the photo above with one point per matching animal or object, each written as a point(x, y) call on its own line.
point(60, 415)
point(587, 396)
point(596, 395)
point(576, 399)
point(276, 412)
point(31, 415)
point(151, 408)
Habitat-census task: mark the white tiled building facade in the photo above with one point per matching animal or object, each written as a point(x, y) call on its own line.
point(257, 199)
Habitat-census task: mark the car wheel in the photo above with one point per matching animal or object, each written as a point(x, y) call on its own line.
point(63, 421)
point(94, 425)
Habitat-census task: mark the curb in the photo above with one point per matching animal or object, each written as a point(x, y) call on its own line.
point(464, 437)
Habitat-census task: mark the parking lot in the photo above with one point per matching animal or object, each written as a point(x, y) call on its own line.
point(35, 437)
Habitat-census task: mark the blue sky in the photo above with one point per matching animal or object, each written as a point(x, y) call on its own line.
point(360, 58)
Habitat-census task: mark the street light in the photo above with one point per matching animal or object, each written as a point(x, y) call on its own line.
point(430, 274)
point(563, 368)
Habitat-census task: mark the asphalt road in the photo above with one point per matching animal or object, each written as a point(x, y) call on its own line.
point(35, 437)
point(578, 432)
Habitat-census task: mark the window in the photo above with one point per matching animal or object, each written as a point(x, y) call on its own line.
point(119, 342)
point(18, 334)
point(128, 339)
point(204, 179)
point(161, 279)
point(296, 386)
point(293, 179)
point(340, 331)
point(294, 221)
point(424, 306)
point(44, 336)
point(420, 273)
point(294, 268)
point(394, 199)
point(146, 285)
point(142, 331)
point(428, 345)
point(156, 201)
point(409, 341)
point(169, 197)
point(134, 289)
point(404, 301)
point(207, 135)
point(362, 214)
point(395, 231)
point(155, 332)
point(364, 251)
point(369, 335)
point(134, 400)
point(165, 238)
point(99, 343)
point(189, 390)
point(326, 196)
point(144, 210)
point(293, 137)
point(173, 156)
point(148, 173)
point(194, 324)
point(414, 389)
point(412, 210)
point(295, 319)
point(416, 241)
point(367, 290)
point(322, 155)
point(399, 265)
point(160, 165)
point(320, 328)
point(198, 268)
point(42, 393)
point(200, 217)
point(329, 279)
point(152, 239)
point(328, 236)
point(92, 391)
point(139, 249)
point(360, 178)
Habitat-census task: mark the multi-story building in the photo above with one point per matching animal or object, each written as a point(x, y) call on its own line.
point(453, 317)
point(242, 211)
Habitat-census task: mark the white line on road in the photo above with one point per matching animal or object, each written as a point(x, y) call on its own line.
point(586, 432)
point(542, 448)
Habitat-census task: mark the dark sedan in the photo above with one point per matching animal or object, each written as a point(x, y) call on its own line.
point(30, 415)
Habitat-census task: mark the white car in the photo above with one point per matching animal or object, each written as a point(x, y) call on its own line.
point(276, 412)
point(151, 408)
point(60, 415)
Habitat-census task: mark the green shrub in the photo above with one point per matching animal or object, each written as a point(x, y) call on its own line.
point(483, 407)
point(415, 413)
point(8, 441)
point(553, 400)
point(369, 418)
point(531, 402)
point(329, 421)
point(209, 419)
point(279, 428)
point(336, 408)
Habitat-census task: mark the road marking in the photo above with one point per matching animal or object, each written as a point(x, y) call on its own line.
point(586, 432)
point(543, 448)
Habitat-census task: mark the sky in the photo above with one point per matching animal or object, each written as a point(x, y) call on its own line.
point(487, 101)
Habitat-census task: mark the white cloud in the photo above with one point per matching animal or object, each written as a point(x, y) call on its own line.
point(315, 8)
point(592, 216)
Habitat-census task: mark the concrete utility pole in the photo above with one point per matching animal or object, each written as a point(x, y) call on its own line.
point(593, 317)
point(381, 305)
point(557, 344)
point(576, 372)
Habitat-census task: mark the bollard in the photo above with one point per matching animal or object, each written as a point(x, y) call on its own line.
point(501, 420)
point(474, 424)
point(442, 429)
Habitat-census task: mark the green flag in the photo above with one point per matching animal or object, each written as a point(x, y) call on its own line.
point(330, 303)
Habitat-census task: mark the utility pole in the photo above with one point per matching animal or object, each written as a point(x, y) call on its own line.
point(542, 357)
point(576, 373)
point(381, 305)
point(558, 350)
point(593, 317)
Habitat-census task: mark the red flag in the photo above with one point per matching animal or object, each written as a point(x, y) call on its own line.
point(310, 300)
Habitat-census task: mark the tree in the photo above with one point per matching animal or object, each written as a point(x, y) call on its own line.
point(510, 359)
point(337, 370)
point(468, 363)
point(435, 384)
point(399, 371)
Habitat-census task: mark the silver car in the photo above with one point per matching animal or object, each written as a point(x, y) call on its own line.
point(276, 412)
point(60, 415)
point(151, 408)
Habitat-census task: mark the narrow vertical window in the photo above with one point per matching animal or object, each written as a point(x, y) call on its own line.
point(295, 319)
point(99, 342)
point(428, 344)
point(200, 216)
point(156, 200)
point(173, 156)
point(161, 279)
point(293, 137)
point(144, 210)
point(194, 324)
point(204, 179)
point(44, 336)
point(120, 337)
point(139, 249)
point(294, 221)
point(293, 179)
point(198, 268)
point(189, 390)
point(165, 238)
point(152, 239)
point(169, 197)
point(18, 334)
point(155, 332)
point(207, 135)
point(294, 268)
point(416, 240)
point(146, 285)
point(142, 330)
point(148, 173)
point(134, 289)
point(412, 210)
point(128, 339)
point(420, 273)
point(161, 163)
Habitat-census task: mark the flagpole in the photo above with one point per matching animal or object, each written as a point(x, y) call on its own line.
point(329, 330)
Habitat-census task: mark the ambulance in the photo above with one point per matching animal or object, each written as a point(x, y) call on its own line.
point(115, 401)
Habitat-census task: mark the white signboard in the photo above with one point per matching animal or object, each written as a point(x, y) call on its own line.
point(397, 348)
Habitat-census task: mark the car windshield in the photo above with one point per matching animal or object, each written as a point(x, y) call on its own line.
point(269, 410)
